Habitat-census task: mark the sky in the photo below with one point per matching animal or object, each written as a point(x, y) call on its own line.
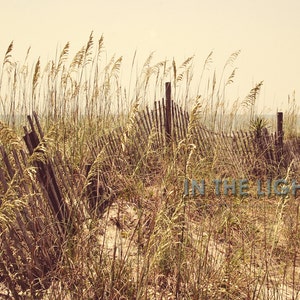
point(267, 33)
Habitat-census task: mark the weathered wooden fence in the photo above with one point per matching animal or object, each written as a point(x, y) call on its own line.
point(246, 153)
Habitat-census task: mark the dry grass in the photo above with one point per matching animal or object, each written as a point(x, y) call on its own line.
point(141, 238)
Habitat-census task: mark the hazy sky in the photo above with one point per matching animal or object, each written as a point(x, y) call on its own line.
point(267, 32)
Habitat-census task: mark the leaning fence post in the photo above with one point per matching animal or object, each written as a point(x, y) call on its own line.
point(168, 114)
point(279, 134)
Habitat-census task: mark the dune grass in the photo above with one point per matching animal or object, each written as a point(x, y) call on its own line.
point(151, 241)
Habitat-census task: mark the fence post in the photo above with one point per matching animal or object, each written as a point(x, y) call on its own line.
point(280, 134)
point(168, 120)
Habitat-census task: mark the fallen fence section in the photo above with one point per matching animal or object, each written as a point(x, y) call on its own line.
point(33, 235)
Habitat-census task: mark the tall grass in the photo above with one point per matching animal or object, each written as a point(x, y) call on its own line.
point(137, 236)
